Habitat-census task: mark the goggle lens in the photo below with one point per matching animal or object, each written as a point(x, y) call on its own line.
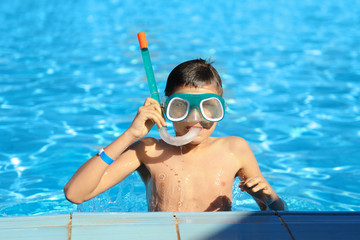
point(211, 109)
point(177, 109)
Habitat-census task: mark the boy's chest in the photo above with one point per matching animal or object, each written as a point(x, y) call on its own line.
point(219, 170)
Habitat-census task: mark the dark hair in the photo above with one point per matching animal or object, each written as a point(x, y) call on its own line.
point(193, 73)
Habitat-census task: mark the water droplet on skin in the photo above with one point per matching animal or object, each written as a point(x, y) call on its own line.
point(217, 181)
point(162, 176)
point(187, 179)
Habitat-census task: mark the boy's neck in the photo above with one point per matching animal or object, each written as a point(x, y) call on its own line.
point(194, 147)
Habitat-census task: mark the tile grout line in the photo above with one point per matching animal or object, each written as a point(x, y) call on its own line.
point(285, 225)
point(70, 227)
point(177, 226)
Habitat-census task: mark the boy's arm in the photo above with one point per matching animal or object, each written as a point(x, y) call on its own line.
point(253, 182)
point(96, 176)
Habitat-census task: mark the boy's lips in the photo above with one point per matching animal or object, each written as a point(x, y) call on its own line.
point(188, 127)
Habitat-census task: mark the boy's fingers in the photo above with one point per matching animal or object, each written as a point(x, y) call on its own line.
point(160, 120)
point(267, 191)
point(259, 187)
point(153, 107)
point(149, 101)
point(156, 118)
point(157, 107)
point(252, 182)
point(153, 104)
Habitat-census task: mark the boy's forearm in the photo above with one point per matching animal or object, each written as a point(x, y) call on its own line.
point(85, 180)
point(274, 203)
point(119, 145)
point(88, 176)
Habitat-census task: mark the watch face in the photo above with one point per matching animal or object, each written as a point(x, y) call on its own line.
point(100, 152)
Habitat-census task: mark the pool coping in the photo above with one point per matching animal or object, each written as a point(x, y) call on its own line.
point(185, 225)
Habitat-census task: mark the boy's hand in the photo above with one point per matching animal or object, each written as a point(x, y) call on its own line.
point(257, 188)
point(146, 117)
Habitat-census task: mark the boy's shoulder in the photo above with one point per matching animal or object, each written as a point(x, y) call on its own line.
point(231, 142)
point(235, 145)
point(150, 147)
point(146, 144)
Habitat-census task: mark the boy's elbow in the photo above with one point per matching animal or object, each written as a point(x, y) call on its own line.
point(71, 196)
point(73, 199)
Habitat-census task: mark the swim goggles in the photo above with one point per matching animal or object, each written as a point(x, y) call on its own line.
point(179, 105)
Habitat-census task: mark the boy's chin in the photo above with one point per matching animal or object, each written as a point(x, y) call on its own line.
point(203, 135)
point(198, 140)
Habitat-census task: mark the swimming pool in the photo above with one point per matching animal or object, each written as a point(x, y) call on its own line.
point(72, 79)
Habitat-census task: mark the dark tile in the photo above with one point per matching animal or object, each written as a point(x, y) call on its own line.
point(322, 225)
point(231, 225)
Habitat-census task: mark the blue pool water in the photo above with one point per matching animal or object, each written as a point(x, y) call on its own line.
point(71, 80)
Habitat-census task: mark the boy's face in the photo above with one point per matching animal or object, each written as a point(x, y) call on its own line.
point(184, 126)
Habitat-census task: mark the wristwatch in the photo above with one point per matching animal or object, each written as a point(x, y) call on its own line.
point(105, 157)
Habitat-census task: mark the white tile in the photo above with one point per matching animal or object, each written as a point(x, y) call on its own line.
point(124, 226)
point(52, 227)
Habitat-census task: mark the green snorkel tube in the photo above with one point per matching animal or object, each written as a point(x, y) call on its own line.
point(177, 141)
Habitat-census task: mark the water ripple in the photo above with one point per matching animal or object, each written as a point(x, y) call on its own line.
point(71, 81)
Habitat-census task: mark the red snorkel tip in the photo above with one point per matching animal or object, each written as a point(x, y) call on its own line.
point(142, 40)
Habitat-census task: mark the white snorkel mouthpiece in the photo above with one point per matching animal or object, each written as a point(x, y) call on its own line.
point(180, 140)
point(194, 116)
point(177, 141)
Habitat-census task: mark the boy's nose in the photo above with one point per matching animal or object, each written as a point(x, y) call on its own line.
point(194, 115)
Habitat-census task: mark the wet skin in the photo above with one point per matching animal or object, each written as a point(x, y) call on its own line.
point(198, 180)
point(195, 177)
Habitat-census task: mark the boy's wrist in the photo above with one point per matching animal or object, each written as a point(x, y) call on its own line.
point(130, 136)
point(105, 157)
point(277, 204)
point(116, 148)
point(269, 202)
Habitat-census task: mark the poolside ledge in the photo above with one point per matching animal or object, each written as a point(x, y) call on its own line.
point(167, 225)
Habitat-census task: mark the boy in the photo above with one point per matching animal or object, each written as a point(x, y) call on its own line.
point(196, 177)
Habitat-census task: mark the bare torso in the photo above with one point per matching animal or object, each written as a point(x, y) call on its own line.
point(197, 180)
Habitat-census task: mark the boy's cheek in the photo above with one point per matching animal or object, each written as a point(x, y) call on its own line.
point(206, 124)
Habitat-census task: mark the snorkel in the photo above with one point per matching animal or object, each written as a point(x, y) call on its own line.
point(176, 141)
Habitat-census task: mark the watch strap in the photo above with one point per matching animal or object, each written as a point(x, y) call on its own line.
point(105, 157)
